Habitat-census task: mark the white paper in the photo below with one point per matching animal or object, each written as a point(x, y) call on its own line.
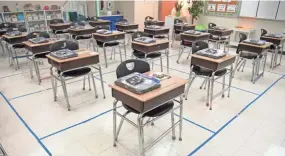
point(231, 8)
point(211, 7)
point(221, 8)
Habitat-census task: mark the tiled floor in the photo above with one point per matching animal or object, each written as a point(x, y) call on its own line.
point(249, 123)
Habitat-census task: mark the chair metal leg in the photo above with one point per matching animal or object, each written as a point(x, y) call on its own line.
point(121, 124)
point(161, 66)
point(89, 82)
point(208, 92)
point(172, 125)
point(37, 70)
point(181, 118)
point(83, 88)
point(212, 89)
point(102, 82)
point(94, 85)
point(190, 79)
point(120, 54)
point(181, 49)
point(52, 84)
point(189, 53)
point(115, 122)
point(230, 80)
point(16, 58)
point(63, 84)
point(243, 65)
point(224, 83)
point(141, 135)
point(253, 70)
point(203, 83)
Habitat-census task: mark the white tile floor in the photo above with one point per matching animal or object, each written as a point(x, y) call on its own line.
point(32, 124)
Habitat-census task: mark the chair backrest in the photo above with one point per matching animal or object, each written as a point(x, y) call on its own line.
point(176, 21)
point(211, 25)
point(138, 34)
point(107, 27)
point(55, 21)
point(2, 25)
point(263, 32)
point(22, 29)
point(130, 66)
point(242, 37)
point(82, 23)
point(199, 45)
point(10, 29)
point(148, 18)
point(122, 20)
point(38, 34)
point(66, 44)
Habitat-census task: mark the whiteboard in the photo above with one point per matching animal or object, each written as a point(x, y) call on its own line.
point(281, 11)
point(248, 8)
point(267, 9)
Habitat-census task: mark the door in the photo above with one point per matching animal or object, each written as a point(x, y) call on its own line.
point(165, 8)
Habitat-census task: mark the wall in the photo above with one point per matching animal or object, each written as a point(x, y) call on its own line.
point(270, 25)
point(126, 8)
point(143, 9)
point(91, 8)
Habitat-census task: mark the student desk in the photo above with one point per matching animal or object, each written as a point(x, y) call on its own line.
point(95, 23)
point(157, 32)
point(215, 65)
point(84, 58)
point(59, 26)
point(225, 33)
point(36, 49)
point(169, 90)
point(108, 38)
point(190, 38)
point(179, 28)
point(127, 27)
point(152, 22)
point(277, 41)
point(80, 32)
point(258, 49)
point(12, 40)
point(157, 46)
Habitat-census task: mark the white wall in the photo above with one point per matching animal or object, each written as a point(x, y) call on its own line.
point(126, 8)
point(270, 25)
point(143, 9)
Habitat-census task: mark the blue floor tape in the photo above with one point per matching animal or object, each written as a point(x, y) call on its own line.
point(197, 124)
point(224, 126)
point(26, 125)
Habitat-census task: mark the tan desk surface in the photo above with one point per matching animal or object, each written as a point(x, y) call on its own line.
point(272, 38)
point(202, 34)
point(81, 55)
point(151, 44)
point(30, 44)
point(107, 35)
point(11, 37)
point(220, 60)
point(266, 45)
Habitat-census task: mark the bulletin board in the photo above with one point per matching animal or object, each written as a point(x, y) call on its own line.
point(227, 8)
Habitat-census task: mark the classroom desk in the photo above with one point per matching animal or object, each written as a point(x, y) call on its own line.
point(105, 38)
point(183, 27)
point(95, 23)
point(59, 26)
point(226, 33)
point(158, 46)
point(80, 32)
point(169, 90)
point(277, 41)
point(11, 40)
point(157, 32)
point(191, 38)
point(127, 27)
point(215, 65)
point(152, 22)
point(37, 49)
point(84, 58)
point(258, 49)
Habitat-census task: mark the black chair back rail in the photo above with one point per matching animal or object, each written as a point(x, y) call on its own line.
point(199, 45)
point(139, 66)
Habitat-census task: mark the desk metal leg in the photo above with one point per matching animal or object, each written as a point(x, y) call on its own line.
point(53, 84)
point(141, 135)
point(105, 56)
point(65, 92)
point(120, 54)
point(180, 52)
point(173, 37)
point(181, 118)
point(167, 59)
point(115, 122)
point(212, 89)
point(101, 78)
point(37, 70)
point(230, 80)
point(125, 50)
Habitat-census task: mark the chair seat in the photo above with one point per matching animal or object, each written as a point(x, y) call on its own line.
point(76, 72)
point(155, 112)
point(82, 37)
point(217, 38)
point(187, 43)
point(19, 45)
point(141, 55)
point(108, 44)
point(207, 72)
point(249, 55)
point(43, 55)
point(60, 32)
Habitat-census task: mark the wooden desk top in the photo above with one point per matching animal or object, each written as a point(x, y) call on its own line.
point(151, 44)
point(30, 44)
point(220, 60)
point(273, 38)
point(107, 35)
point(266, 45)
point(81, 55)
point(202, 34)
point(59, 24)
point(166, 86)
point(11, 37)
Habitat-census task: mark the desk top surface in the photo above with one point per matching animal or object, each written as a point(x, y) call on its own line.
point(166, 86)
point(151, 44)
point(266, 45)
point(82, 54)
point(185, 24)
point(83, 29)
point(163, 28)
point(221, 30)
point(59, 24)
point(107, 35)
point(202, 34)
point(10, 37)
point(220, 60)
point(30, 44)
point(273, 38)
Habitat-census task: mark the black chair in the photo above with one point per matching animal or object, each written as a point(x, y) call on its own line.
point(148, 18)
point(263, 32)
point(205, 73)
point(112, 44)
point(57, 33)
point(146, 56)
point(141, 67)
point(217, 40)
point(63, 76)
